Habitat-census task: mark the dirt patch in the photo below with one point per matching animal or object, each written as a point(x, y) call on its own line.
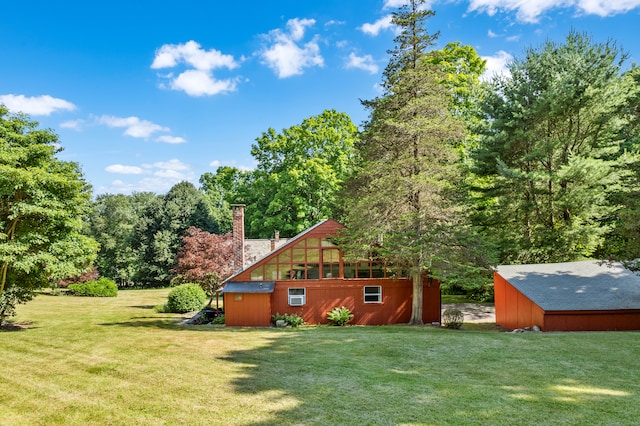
point(474, 312)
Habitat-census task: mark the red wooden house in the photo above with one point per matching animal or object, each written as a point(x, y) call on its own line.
point(307, 275)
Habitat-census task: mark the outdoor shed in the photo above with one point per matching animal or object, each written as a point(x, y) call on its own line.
point(573, 296)
point(308, 276)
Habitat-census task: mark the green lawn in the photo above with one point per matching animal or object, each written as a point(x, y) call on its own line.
point(116, 361)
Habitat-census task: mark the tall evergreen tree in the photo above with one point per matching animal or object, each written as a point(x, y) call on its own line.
point(403, 199)
point(549, 152)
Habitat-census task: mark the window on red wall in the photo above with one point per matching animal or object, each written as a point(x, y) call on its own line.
point(373, 294)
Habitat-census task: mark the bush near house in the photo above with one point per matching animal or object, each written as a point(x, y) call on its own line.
point(186, 298)
point(293, 320)
point(102, 287)
point(339, 316)
point(453, 318)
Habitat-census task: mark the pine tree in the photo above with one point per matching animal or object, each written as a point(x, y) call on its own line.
point(404, 198)
point(550, 151)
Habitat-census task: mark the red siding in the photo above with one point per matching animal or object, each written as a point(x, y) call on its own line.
point(324, 295)
point(514, 309)
point(592, 320)
point(247, 309)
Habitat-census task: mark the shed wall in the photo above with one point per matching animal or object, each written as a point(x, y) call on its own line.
point(593, 320)
point(514, 309)
point(247, 309)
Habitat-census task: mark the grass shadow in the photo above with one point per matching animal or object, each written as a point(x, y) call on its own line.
point(328, 375)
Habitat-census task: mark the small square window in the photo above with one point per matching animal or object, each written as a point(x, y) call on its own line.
point(373, 294)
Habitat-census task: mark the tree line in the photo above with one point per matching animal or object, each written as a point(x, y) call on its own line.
point(449, 175)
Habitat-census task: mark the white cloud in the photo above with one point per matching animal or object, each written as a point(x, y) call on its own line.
point(491, 34)
point(174, 164)
point(192, 54)
point(530, 11)
point(218, 163)
point(286, 56)
point(365, 62)
point(497, 64)
point(35, 105)
point(133, 126)
point(73, 124)
point(198, 79)
point(607, 7)
point(381, 24)
point(124, 170)
point(394, 4)
point(171, 139)
point(158, 177)
point(199, 83)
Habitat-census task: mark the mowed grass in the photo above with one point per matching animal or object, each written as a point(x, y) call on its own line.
point(116, 361)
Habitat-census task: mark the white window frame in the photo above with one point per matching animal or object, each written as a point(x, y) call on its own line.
point(378, 294)
point(297, 299)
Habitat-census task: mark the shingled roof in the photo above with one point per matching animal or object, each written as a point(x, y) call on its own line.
point(576, 286)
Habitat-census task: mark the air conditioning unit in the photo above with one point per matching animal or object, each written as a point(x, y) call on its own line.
point(296, 300)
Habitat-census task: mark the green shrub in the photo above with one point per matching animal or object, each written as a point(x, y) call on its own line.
point(186, 298)
point(218, 320)
point(339, 316)
point(294, 320)
point(102, 287)
point(452, 318)
point(483, 293)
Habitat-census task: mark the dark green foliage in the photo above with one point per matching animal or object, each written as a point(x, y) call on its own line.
point(43, 202)
point(140, 234)
point(452, 318)
point(164, 222)
point(102, 287)
point(10, 298)
point(113, 223)
point(186, 298)
point(550, 157)
point(293, 320)
point(339, 316)
point(406, 195)
point(299, 174)
point(483, 293)
point(218, 320)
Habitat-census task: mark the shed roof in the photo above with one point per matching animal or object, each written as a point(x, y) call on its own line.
point(576, 286)
point(249, 287)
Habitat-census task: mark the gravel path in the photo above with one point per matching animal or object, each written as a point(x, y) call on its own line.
point(474, 312)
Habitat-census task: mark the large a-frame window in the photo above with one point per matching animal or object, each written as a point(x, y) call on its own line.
point(316, 258)
point(309, 259)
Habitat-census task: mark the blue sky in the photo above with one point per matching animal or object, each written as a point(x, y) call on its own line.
point(146, 94)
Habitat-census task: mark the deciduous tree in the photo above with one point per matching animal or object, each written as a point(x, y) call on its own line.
point(205, 259)
point(300, 171)
point(43, 202)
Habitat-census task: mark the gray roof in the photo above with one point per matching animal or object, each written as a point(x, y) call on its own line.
point(576, 286)
point(249, 287)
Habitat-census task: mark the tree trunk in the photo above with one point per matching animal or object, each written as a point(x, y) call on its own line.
point(416, 303)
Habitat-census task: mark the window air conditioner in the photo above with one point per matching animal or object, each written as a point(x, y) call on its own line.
point(296, 300)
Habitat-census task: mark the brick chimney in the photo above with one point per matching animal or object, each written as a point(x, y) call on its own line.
point(275, 240)
point(238, 236)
